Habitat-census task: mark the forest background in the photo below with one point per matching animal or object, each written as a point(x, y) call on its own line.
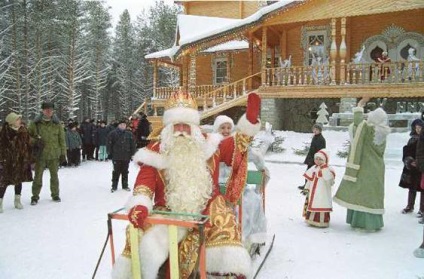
point(68, 52)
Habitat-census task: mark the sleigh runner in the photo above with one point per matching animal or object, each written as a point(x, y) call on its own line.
point(258, 250)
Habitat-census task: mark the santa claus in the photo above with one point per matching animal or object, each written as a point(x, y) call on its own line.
point(179, 173)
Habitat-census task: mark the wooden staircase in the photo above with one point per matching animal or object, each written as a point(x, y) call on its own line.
point(212, 102)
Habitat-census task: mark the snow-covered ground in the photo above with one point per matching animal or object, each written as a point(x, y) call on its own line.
point(64, 240)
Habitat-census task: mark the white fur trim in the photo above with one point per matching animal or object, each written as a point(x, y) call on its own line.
point(228, 259)
point(139, 200)
point(353, 166)
point(150, 158)
point(358, 207)
point(247, 128)
point(221, 119)
point(349, 178)
point(377, 117)
point(154, 249)
point(358, 109)
point(122, 268)
point(181, 115)
point(258, 238)
point(211, 145)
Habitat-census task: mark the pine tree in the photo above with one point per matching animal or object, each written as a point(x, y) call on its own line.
point(322, 114)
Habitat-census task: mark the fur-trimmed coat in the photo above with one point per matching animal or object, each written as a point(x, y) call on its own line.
point(15, 156)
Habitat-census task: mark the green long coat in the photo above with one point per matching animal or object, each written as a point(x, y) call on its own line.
point(362, 186)
point(52, 134)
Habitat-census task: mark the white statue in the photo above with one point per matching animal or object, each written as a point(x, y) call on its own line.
point(284, 71)
point(286, 63)
point(358, 59)
point(413, 64)
point(320, 73)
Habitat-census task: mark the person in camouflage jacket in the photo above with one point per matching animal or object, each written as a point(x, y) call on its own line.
point(47, 128)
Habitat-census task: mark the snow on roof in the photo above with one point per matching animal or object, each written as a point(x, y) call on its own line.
point(194, 28)
point(190, 26)
point(231, 45)
point(241, 22)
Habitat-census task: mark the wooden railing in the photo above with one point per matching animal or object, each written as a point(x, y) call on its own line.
point(398, 72)
point(164, 93)
point(367, 73)
point(230, 91)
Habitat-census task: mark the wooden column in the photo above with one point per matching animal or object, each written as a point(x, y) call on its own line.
point(250, 65)
point(185, 73)
point(155, 77)
point(192, 73)
point(342, 52)
point(264, 54)
point(229, 56)
point(333, 52)
point(283, 45)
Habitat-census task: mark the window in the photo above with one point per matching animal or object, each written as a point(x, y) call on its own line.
point(220, 70)
point(316, 47)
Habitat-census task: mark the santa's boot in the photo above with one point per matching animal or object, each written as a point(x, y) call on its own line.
point(18, 204)
point(1, 205)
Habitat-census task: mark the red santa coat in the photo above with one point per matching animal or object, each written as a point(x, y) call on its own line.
point(150, 181)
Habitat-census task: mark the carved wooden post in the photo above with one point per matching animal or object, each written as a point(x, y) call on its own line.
point(250, 66)
point(333, 52)
point(192, 78)
point(155, 77)
point(185, 73)
point(264, 54)
point(342, 52)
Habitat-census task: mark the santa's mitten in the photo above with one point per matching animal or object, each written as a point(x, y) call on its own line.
point(253, 107)
point(138, 215)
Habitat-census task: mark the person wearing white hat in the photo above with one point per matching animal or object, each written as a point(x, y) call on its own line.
point(15, 157)
point(320, 179)
point(361, 190)
point(179, 173)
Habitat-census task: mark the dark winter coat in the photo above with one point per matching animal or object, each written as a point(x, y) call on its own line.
point(87, 132)
point(317, 143)
point(411, 176)
point(143, 128)
point(120, 145)
point(73, 140)
point(101, 135)
point(419, 155)
point(15, 156)
point(52, 134)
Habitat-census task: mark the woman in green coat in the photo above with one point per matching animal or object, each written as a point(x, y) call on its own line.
point(362, 188)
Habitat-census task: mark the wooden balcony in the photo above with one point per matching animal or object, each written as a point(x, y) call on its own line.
point(400, 79)
point(394, 80)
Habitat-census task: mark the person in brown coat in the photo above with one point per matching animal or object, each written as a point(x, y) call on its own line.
point(15, 157)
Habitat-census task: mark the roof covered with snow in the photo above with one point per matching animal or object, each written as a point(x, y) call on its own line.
point(193, 29)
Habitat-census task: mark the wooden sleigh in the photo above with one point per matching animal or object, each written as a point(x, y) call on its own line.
point(199, 222)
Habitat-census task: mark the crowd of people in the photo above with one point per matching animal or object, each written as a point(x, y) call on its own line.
point(217, 163)
point(48, 143)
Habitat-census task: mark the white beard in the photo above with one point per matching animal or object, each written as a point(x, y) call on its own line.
point(189, 183)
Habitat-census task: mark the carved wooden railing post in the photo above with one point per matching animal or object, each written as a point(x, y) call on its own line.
point(192, 80)
point(264, 55)
point(333, 52)
point(342, 52)
point(155, 77)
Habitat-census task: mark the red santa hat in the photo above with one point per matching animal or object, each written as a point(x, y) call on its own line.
point(181, 107)
point(323, 154)
point(221, 119)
